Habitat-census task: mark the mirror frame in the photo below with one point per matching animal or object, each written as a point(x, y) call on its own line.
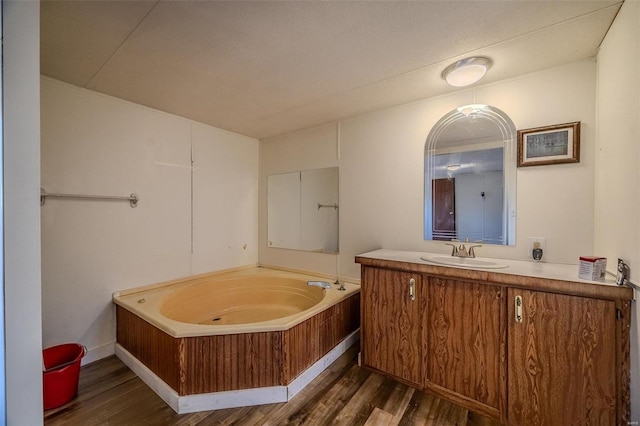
point(508, 131)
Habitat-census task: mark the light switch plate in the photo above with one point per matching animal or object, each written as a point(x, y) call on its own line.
point(543, 246)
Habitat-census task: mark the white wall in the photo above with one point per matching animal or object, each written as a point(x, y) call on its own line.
point(21, 136)
point(382, 171)
point(617, 189)
point(382, 168)
point(95, 144)
point(225, 199)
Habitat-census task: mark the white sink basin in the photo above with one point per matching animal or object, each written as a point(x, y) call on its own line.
point(465, 262)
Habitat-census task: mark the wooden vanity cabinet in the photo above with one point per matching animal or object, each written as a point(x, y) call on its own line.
point(562, 359)
point(443, 335)
point(392, 330)
point(525, 351)
point(466, 343)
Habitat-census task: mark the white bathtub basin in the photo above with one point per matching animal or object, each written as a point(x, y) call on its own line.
point(465, 262)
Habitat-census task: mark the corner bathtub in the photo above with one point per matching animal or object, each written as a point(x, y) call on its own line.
point(229, 339)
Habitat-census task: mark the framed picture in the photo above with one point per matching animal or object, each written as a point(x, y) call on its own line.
point(555, 144)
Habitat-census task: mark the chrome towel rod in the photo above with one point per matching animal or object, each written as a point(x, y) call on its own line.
point(332, 206)
point(132, 199)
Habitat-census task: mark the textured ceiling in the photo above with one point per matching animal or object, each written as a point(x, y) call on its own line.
point(269, 67)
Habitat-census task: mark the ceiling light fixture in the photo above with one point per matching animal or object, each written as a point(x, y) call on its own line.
point(466, 71)
point(453, 167)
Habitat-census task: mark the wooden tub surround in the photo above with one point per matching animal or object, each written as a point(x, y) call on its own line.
point(230, 365)
point(530, 344)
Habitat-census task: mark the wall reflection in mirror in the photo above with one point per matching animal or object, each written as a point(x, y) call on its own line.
point(470, 177)
point(302, 211)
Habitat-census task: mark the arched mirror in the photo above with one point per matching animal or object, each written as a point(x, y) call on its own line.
point(470, 177)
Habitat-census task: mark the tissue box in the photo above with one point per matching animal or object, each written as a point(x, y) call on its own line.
point(592, 268)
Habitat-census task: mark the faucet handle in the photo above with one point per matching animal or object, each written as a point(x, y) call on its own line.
point(454, 250)
point(472, 252)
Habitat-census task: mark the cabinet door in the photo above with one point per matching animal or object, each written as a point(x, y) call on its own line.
point(467, 331)
point(562, 367)
point(392, 332)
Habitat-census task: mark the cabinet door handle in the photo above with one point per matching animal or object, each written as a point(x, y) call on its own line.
point(519, 309)
point(412, 289)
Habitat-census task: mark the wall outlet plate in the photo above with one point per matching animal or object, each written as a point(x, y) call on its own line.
point(543, 246)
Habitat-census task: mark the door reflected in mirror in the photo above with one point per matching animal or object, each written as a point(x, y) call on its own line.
point(302, 211)
point(470, 165)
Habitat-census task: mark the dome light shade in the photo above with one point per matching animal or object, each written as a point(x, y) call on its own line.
point(466, 71)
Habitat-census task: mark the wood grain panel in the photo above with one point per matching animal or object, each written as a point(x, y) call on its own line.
point(355, 302)
point(561, 357)
point(623, 362)
point(309, 341)
point(464, 322)
point(232, 362)
point(304, 335)
point(392, 329)
point(157, 350)
point(328, 329)
point(338, 322)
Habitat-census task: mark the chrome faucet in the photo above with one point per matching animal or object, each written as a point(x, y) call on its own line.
point(322, 284)
point(472, 252)
point(461, 250)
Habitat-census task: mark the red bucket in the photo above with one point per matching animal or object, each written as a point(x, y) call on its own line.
point(61, 373)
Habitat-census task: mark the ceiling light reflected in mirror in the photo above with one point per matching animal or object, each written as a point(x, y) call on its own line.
point(467, 110)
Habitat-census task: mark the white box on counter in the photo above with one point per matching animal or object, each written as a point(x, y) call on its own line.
point(592, 268)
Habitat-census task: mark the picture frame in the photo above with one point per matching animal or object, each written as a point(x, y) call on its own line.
point(555, 144)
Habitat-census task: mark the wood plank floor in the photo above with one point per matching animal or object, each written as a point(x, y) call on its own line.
point(344, 394)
